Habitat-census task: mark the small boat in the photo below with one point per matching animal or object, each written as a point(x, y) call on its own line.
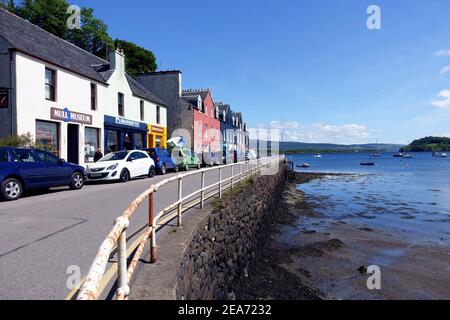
point(317, 155)
point(398, 155)
point(407, 156)
point(439, 155)
point(376, 155)
point(303, 165)
point(368, 163)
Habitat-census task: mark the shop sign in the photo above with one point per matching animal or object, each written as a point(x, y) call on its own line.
point(156, 130)
point(129, 123)
point(70, 116)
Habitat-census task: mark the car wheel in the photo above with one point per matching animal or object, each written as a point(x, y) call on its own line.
point(125, 175)
point(77, 181)
point(186, 167)
point(151, 172)
point(163, 169)
point(175, 169)
point(11, 189)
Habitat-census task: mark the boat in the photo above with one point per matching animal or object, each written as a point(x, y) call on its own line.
point(398, 155)
point(317, 155)
point(376, 154)
point(370, 163)
point(439, 155)
point(407, 156)
point(303, 165)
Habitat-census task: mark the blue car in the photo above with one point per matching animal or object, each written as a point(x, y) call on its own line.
point(24, 169)
point(163, 160)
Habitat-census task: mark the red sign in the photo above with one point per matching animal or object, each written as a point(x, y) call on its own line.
point(3, 100)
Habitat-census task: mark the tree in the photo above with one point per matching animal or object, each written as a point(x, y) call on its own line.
point(137, 59)
point(50, 15)
point(93, 35)
point(7, 5)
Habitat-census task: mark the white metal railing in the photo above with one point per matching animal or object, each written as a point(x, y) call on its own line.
point(118, 236)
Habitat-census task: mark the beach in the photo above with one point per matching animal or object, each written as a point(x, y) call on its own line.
point(312, 254)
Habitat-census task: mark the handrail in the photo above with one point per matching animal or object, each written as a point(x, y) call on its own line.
point(117, 236)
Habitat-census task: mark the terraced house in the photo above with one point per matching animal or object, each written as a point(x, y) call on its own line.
point(69, 100)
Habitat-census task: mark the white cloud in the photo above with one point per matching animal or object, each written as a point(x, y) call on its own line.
point(318, 132)
point(443, 53)
point(445, 70)
point(444, 103)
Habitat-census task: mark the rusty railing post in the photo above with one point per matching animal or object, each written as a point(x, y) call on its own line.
point(232, 176)
point(202, 196)
point(180, 195)
point(220, 182)
point(151, 223)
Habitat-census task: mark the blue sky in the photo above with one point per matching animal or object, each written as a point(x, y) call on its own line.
point(311, 68)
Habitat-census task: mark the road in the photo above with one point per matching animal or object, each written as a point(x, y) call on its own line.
point(44, 233)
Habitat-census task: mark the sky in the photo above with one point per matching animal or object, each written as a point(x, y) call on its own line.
point(309, 68)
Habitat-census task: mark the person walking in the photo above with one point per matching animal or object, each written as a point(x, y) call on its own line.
point(98, 155)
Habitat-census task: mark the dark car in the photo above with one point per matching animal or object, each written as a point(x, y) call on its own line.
point(24, 169)
point(163, 160)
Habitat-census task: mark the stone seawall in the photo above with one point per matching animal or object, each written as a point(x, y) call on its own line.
point(223, 246)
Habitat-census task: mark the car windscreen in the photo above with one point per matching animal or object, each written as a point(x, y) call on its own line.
point(115, 156)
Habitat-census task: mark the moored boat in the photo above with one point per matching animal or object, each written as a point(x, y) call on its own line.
point(398, 155)
point(303, 165)
point(439, 155)
point(317, 155)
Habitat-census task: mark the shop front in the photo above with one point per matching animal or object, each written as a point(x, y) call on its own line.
point(68, 134)
point(124, 134)
point(157, 137)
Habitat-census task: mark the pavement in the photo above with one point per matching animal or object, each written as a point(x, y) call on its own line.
point(46, 232)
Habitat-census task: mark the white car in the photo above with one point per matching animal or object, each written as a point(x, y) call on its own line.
point(122, 166)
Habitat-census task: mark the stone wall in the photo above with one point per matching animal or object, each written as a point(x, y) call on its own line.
point(222, 248)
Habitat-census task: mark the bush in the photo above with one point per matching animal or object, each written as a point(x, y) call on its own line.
point(23, 140)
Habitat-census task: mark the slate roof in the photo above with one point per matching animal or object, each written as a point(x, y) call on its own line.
point(202, 93)
point(141, 92)
point(28, 38)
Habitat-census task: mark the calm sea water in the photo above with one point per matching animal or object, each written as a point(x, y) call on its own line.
point(408, 196)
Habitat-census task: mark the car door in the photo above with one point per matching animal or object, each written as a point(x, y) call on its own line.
point(145, 162)
point(56, 171)
point(30, 169)
point(133, 164)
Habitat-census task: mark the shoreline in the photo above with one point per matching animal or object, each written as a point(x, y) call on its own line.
point(327, 258)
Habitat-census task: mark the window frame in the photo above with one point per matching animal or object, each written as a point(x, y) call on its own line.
point(158, 115)
point(52, 85)
point(93, 96)
point(141, 109)
point(121, 104)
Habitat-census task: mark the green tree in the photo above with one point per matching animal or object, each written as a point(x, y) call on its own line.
point(7, 4)
point(93, 35)
point(50, 15)
point(137, 59)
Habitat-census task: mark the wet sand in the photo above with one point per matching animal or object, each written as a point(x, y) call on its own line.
point(310, 256)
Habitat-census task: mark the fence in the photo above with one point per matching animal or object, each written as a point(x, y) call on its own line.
point(117, 238)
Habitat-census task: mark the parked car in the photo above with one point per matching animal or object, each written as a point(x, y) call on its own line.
point(23, 169)
point(122, 166)
point(186, 159)
point(210, 159)
point(163, 160)
point(251, 155)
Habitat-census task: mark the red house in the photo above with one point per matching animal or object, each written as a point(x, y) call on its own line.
point(206, 126)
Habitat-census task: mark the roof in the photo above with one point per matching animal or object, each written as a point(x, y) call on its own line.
point(201, 92)
point(30, 39)
point(140, 91)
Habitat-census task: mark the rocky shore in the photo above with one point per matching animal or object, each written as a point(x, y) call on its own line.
point(310, 256)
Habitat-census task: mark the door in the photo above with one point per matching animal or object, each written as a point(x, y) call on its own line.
point(57, 173)
point(73, 143)
point(134, 165)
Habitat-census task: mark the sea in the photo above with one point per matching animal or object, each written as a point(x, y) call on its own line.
point(408, 196)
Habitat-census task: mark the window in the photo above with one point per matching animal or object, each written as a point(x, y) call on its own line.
point(46, 157)
point(206, 131)
point(120, 99)
point(158, 115)
point(93, 96)
point(21, 155)
point(50, 84)
point(4, 156)
point(91, 143)
point(138, 141)
point(47, 135)
point(112, 143)
point(142, 110)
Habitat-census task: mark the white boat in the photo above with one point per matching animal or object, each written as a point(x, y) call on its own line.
point(439, 155)
point(317, 155)
point(303, 165)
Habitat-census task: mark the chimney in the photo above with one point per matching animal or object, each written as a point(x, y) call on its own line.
point(117, 60)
